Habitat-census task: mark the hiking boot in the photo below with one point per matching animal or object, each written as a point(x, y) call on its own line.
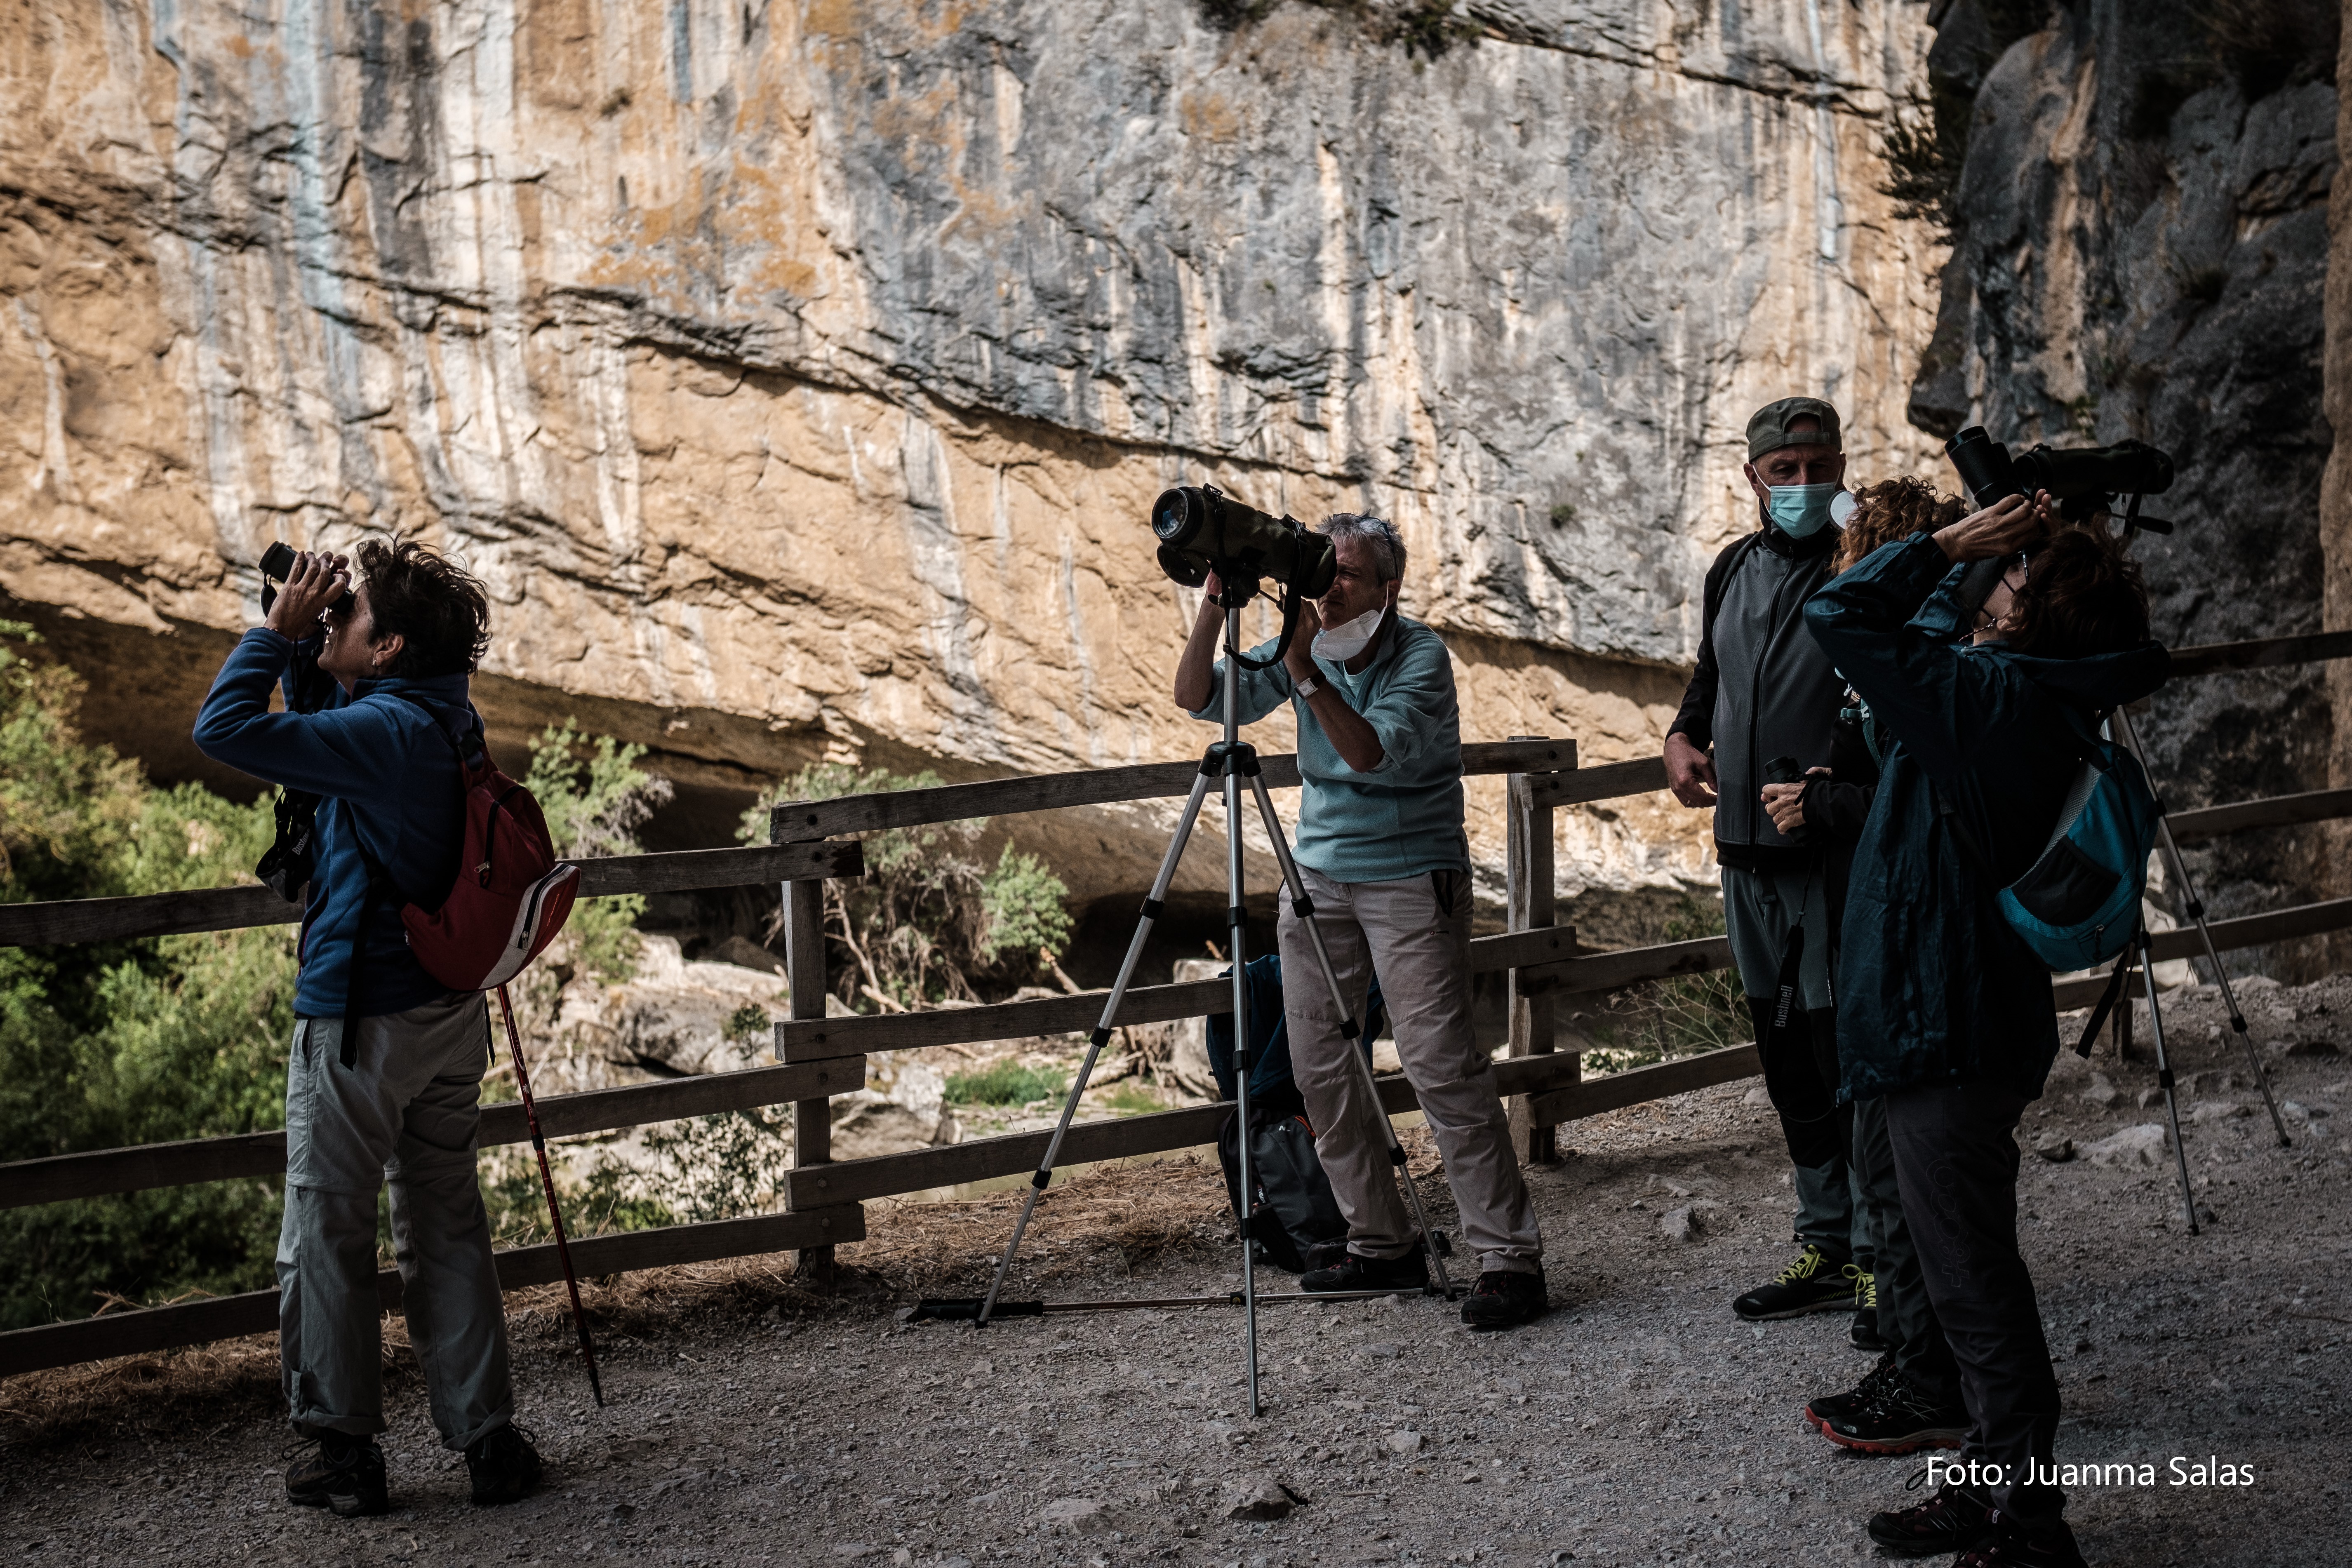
point(2008, 1544)
point(1864, 1335)
point(1951, 1520)
point(1323, 1255)
point(503, 1464)
point(1832, 1407)
point(346, 1474)
point(1900, 1419)
point(1355, 1272)
point(1505, 1298)
point(1812, 1284)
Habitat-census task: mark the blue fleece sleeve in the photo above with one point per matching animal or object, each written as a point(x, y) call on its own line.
point(341, 752)
point(1263, 690)
point(1889, 624)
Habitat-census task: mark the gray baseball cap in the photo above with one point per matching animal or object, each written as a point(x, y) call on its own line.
point(1769, 430)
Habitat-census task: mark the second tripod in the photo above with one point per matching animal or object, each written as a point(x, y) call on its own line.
point(1235, 763)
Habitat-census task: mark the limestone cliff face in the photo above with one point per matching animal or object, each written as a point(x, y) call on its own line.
point(2141, 249)
point(798, 375)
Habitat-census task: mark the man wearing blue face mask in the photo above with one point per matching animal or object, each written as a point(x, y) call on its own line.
point(1384, 856)
point(1764, 692)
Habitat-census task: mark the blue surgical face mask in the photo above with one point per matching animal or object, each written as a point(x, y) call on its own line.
point(1802, 511)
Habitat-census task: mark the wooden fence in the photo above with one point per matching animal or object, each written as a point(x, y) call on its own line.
point(820, 1056)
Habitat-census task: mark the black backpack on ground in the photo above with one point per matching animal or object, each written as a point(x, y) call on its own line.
point(1291, 1207)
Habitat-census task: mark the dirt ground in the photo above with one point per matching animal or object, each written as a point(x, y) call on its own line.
point(1639, 1424)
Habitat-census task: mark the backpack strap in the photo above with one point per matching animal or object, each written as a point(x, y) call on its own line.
point(379, 879)
point(2108, 998)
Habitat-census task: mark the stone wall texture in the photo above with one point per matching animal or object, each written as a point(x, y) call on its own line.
point(2141, 249)
point(798, 375)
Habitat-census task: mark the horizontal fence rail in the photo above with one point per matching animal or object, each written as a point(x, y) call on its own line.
point(233, 908)
point(1017, 1153)
point(143, 1331)
point(801, 819)
point(817, 1039)
point(61, 1177)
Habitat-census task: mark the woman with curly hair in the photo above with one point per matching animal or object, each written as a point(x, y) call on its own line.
point(1911, 1399)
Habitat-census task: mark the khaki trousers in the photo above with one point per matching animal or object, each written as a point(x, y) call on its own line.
point(405, 1112)
point(1415, 934)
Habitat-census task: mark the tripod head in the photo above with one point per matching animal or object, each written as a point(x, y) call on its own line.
point(1238, 582)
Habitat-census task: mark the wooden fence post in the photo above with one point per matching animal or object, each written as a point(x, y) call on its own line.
point(1529, 891)
point(812, 1118)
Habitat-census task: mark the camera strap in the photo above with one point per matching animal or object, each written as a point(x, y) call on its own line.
point(1282, 643)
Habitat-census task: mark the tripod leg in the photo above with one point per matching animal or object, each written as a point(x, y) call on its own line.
point(2195, 909)
point(1244, 1062)
point(1102, 1034)
point(1304, 907)
point(2164, 1077)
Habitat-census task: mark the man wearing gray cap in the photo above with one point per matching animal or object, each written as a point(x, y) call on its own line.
point(1765, 694)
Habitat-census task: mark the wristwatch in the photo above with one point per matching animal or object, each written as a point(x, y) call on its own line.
point(1306, 686)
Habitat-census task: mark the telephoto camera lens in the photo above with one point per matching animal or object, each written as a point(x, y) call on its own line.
point(1200, 530)
point(2080, 474)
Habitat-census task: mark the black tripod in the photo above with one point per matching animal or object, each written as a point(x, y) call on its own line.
point(2143, 950)
point(1232, 760)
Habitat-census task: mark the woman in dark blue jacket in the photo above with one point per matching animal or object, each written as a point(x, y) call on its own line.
point(1944, 1011)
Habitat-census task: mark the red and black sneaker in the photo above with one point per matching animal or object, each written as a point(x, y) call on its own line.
point(2009, 1545)
point(1951, 1520)
point(1832, 1407)
point(1899, 1419)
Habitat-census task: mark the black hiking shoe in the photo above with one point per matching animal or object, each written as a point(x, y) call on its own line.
point(1831, 1406)
point(1812, 1284)
point(1951, 1520)
point(1324, 1255)
point(1505, 1298)
point(345, 1474)
point(1352, 1272)
point(1864, 1335)
point(2008, 1544)
point(1900, 1419)
point(503, 1464)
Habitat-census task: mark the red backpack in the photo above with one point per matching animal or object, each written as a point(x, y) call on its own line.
point(511, 896)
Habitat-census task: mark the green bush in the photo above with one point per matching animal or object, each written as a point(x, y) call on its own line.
point(108, 1043)
point(1663, 1019)
point(926, 922)
point(1004, 1083)
point(112, 1044)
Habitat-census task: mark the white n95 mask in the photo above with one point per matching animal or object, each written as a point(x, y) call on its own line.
point(1341, 643)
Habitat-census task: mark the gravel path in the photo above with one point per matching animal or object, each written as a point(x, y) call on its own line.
point(1639, 1424)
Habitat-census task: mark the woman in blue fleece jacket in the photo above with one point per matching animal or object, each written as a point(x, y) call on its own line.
point(385, 1075)
point(1944, 1013)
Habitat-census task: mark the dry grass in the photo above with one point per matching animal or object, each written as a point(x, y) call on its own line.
point(1112, 1219)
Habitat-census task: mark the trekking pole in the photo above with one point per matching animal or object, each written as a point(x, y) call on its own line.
point(554, 1214)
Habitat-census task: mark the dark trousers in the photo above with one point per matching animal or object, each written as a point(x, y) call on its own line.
point(1907, 1318)
point(1956, 1163)
point(1800, 1073)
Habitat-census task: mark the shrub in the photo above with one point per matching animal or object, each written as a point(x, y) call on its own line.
point(1004, 1083)
point(926, 922)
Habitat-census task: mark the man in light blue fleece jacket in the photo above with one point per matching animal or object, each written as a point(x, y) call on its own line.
point(384, 1079)
point(1382, 849)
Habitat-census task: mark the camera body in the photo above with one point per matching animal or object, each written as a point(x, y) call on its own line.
point(1202, 528)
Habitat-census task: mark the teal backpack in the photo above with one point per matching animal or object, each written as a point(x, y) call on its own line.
point(2079, 904)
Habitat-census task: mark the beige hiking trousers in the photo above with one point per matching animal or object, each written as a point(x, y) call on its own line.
point(406, 1111)
point(1415, 934)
